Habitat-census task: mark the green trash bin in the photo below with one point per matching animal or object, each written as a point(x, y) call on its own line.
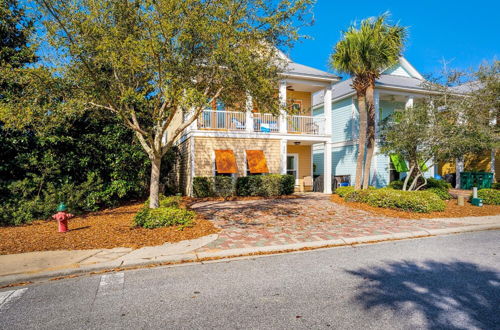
point(483, 180)
point(466, 180)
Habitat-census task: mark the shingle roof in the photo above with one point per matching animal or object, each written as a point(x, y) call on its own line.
point(468, 87)
point(344, 87)
point(300, 69)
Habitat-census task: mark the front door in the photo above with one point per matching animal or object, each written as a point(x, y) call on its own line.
point(292, 161)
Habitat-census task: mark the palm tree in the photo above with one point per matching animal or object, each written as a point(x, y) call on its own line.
point(363, 54)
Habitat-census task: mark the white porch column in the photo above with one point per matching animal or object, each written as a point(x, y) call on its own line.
point(327, 106)
point(282, 118)
point(374, 166)
point(327, 171)
point(248, 114)
point(493, 165)
point(493, 122)
point(409, 102)
point(283, 151)
point(194, 124)
point(459, 167)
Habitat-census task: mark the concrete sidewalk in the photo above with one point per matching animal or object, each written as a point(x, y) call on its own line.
point(33, 266)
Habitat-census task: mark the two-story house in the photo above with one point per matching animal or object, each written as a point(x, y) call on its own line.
point(239, 142)
point(320, 142)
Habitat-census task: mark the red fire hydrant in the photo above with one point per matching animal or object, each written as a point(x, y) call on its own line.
point(62, 218)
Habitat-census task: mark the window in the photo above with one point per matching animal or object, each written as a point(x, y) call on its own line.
point(297, 106)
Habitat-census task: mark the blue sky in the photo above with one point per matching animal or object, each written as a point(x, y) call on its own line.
point(463, 32)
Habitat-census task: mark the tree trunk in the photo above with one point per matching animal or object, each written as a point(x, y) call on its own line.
point(370, 134)
point(361, 140)
point(154, 187)
point(407, 179)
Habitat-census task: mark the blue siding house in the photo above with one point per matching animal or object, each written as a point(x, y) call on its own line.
point(398, 87)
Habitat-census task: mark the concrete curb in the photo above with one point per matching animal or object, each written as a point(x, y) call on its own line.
point(192, 257)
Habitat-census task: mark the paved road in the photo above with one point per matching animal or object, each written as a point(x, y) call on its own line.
point(443, 282)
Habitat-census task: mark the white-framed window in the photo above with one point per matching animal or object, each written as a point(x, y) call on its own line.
point(292, 165)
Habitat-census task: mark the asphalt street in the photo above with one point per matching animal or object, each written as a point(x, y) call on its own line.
point(447, 282)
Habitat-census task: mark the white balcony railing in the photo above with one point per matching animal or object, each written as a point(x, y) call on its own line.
point(222, 120)
point(306, 125)
point(265, 123)
point(261, 122)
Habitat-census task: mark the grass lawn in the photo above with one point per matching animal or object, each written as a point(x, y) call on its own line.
point(104, 229)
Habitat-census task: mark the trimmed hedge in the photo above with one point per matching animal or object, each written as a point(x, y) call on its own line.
point(248, 185)
point(489, 196)
point(412, 201)
point(167, 214)
point(495, 185)
point(223, 186)
point(203, 187)
point(287, 184)
point(254, 185)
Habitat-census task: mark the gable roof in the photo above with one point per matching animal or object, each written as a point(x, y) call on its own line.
point(388, 79)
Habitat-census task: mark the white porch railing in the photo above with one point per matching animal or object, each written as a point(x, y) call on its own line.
point(306, 125)
point(261, 122)
point(265, 123)
point(222, 120)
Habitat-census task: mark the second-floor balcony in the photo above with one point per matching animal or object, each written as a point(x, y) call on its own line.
point(216, 120)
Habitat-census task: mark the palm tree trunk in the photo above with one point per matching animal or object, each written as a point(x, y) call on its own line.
point(370, 134)
point(362, 139)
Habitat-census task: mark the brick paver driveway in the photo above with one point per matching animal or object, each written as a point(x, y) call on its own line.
point(310, 217)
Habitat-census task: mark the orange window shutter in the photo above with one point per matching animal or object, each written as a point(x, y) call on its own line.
point(256, 161)
point(225, 162)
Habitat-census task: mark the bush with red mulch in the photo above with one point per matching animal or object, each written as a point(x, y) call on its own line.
point(105, 229)
point(452, 210)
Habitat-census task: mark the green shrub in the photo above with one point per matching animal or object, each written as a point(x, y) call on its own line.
point(265, 185)
point(223, 186)
point(171, 201)
point(489, 196)
point(287, 184)
point(88, 162)
point(397, 184)
point(248, 185)
point(435, 183)
point(203, 187)
point(442, 193)
point(413, 201)
point(344, 191)
point(495, 185)
point(271, 185)
point(252, 185)
point(163, 217)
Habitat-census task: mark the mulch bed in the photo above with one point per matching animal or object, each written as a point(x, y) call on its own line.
point(104, 229)
point(452, 210)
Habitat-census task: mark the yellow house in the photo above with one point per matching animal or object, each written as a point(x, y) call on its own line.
point(240, 142)
point(486, 162)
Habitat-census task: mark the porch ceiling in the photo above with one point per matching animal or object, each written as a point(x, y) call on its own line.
point(302, 143)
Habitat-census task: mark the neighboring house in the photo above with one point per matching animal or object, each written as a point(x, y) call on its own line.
point(239, 142)
point(398, 87)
